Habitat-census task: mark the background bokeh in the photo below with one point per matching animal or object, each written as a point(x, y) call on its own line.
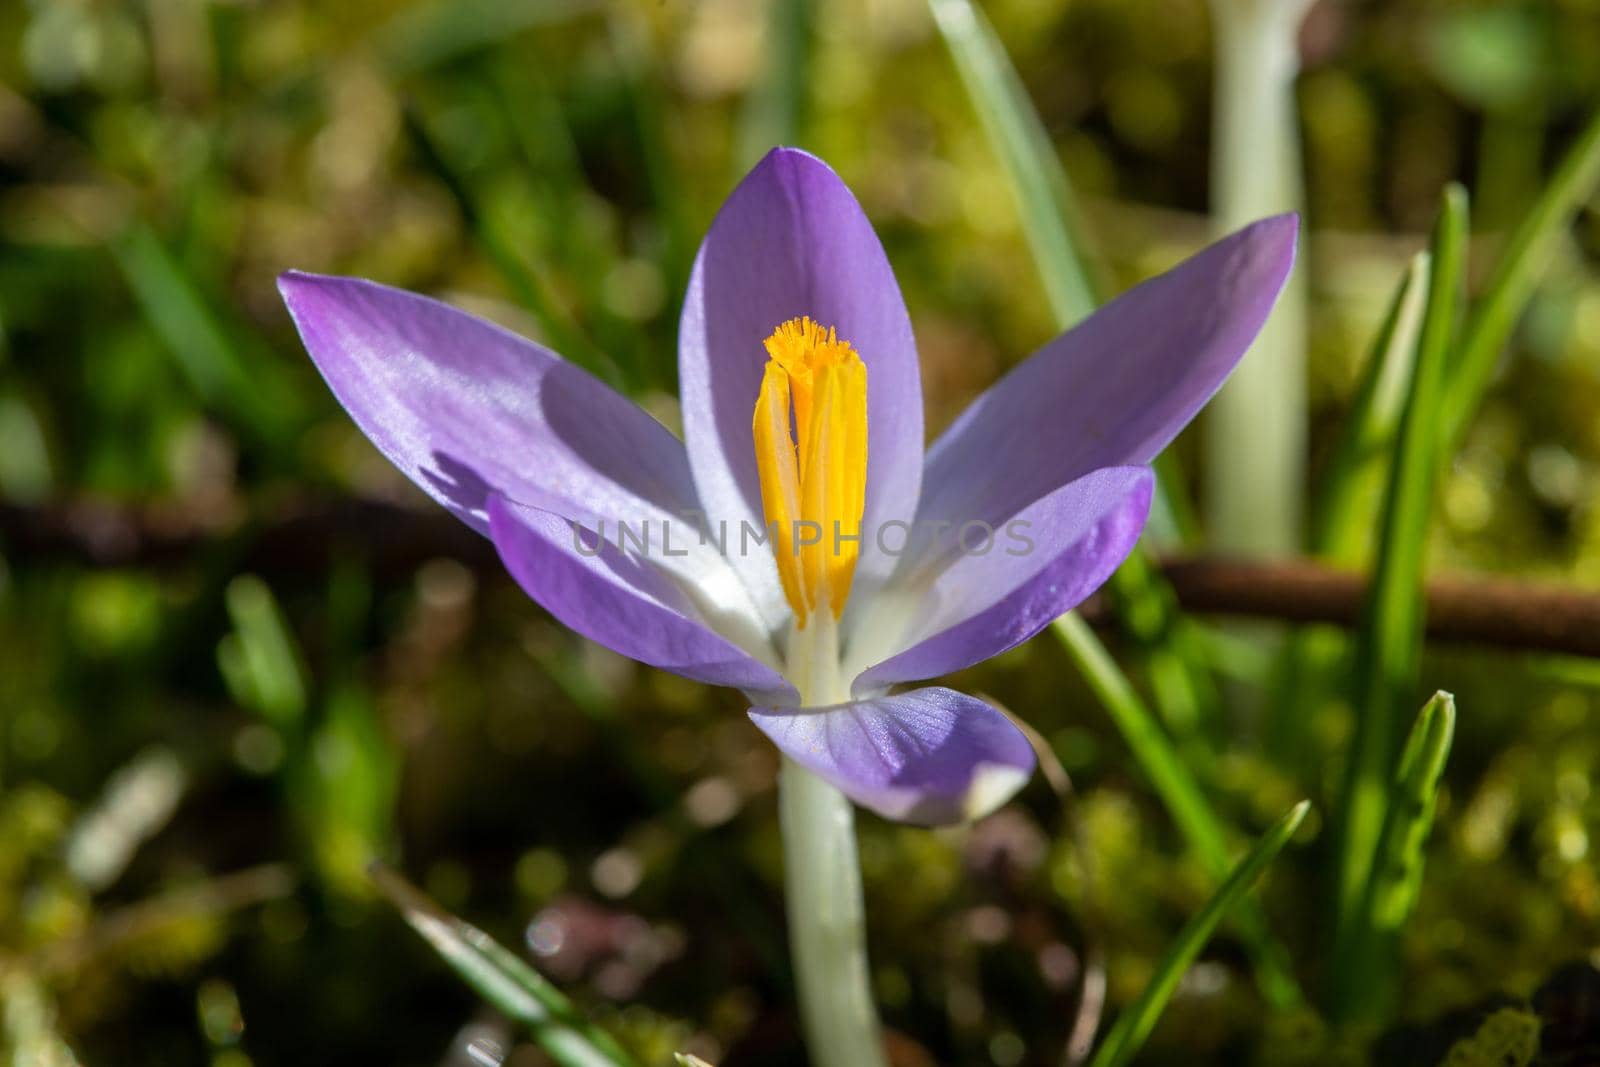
point(212, 717)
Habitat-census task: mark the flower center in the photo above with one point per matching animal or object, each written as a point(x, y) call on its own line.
point(811, 451)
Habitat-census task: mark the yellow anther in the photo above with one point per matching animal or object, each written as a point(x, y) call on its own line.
point(814, 479)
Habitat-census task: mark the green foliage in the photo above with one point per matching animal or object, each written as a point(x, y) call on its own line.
point(1202, 829)
point(1139, 1018)
point(1508, 1038)
point(1397, 878)
point(1527, 254)
point(1389, 644)
point(1354, 475)
point(258, 659)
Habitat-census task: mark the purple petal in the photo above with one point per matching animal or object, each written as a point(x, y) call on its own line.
point(1042, 563)
point(792, 241)
point(467, 409)
point(929, 756)
point(1117, 388)
point(621, 601)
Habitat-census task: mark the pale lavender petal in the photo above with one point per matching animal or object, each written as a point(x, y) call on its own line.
point(1117, 388)
point(621, 601)
point(792, 241)
point(929, 756)
point(467, 409)
point(1041, 563)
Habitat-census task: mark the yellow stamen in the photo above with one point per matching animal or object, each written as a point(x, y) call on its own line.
point(813, 481)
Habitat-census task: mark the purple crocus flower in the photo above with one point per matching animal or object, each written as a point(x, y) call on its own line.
point(802, 419)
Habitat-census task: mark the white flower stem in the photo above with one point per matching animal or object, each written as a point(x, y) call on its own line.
point(827, 927)
point(822, 883)
point(1256, 427)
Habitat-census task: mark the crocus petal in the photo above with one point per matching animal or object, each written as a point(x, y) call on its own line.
point(1041, 563)
point(791, 241)
point(1117, 388)
point(621, 601)
point(467, 410)
point(929, 756)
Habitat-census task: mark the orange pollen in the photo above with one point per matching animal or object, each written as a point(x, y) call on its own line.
point(811, 451)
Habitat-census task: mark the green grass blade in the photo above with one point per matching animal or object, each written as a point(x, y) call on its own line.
point(190, 327)
point(1514, 278)
point(1045, 201)
point(1389, 644)
point(1046, 204)
point(504, 979)
point(1172, 645)
point(1341, 518)
point(1167, 772)
point(1365, 965)
point(1341, 527)
point(1043, 194)
point(260, 660)
point(775, 108)
point(1398, 878)
point(1133, 1026)
point(1199, 824)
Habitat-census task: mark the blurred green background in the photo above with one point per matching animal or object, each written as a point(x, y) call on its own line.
point(211, 717)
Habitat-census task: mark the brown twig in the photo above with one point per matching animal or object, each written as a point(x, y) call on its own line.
point(393, 539)
point(1491, 611)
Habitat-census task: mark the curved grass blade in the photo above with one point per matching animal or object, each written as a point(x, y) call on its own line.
point(1045, 201)
point(1389, 644)
point(1341, 518)
point(1133, 1026)
point(504, 979)
point(1043, 194)
point(1046, 204)
point(1514, 278)
point(1340, 526)
point(1202, 829)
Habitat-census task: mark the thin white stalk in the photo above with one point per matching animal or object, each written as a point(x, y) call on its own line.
point(827, 926)
point(1256, 427)
point(822, 883)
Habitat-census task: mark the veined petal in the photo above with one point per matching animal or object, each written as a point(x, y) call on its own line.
point(621, 601)
point(1115, 389)
point(929, 756)
point(791, 241)
point(467, 409)
point(1041, 563)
